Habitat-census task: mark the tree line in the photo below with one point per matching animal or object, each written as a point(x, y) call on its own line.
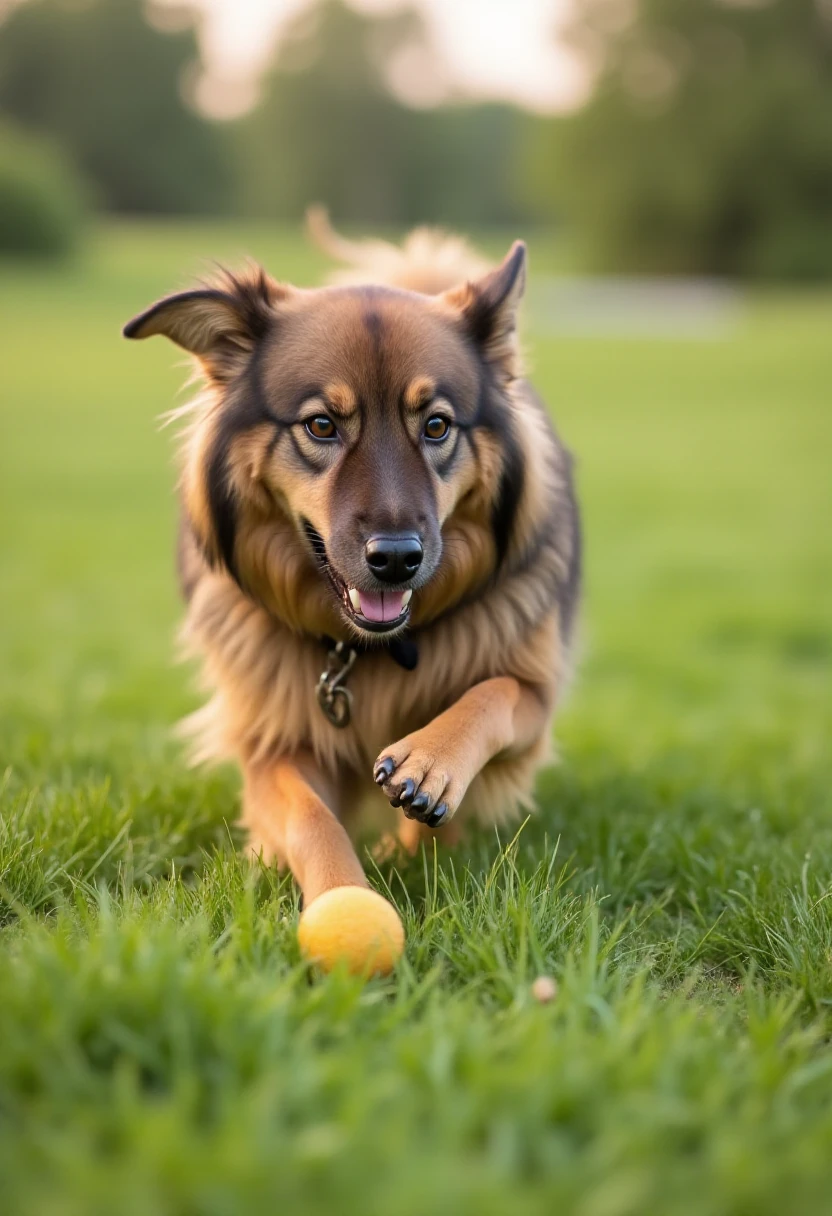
point(705, 145)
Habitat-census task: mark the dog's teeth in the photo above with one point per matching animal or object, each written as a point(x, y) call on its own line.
point(406, 599)
point(355, 599)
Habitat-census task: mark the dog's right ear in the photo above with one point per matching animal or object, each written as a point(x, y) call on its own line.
point(219, 325)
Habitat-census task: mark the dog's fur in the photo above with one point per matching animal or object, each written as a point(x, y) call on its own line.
point(268, 512)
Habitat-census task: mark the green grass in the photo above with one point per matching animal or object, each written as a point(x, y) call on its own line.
point(161, 1048)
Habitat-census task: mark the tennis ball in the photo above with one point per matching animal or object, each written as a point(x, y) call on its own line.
point(353, 926)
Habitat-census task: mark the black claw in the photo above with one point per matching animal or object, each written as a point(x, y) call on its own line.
point(407, 791)
point(384, 770)
point(434, 820)
point(419, 805)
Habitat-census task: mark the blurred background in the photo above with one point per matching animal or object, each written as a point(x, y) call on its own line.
point(651, 135)
point(670, 166)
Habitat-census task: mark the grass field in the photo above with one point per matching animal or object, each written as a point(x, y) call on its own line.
point(163, 1052)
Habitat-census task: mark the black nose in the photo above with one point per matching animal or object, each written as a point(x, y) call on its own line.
point(394, 559)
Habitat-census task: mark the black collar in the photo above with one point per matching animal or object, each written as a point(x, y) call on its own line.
point(402, 650)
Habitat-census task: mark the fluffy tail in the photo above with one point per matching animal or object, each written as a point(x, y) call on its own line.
point(429, 260)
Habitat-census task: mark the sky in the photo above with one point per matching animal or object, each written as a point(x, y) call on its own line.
point(490, 49)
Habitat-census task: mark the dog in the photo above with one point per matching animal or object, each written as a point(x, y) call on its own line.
point(379, 548)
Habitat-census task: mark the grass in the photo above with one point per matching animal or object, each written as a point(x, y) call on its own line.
point(161, 1047)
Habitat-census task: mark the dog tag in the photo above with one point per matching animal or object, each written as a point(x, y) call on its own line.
point(333, 697)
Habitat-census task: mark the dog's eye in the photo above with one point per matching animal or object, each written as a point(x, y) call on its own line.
point(437, 428)
point(321, 427)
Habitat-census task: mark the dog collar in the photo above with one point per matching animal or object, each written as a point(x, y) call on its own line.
point(334, 698)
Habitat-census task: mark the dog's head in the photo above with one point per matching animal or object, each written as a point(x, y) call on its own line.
point(354, 457)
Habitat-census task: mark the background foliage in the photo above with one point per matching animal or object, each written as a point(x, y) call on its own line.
point(705, 145)
point(107, 86)
point(42, 199)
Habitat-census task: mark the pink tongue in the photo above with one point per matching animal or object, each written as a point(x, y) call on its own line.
point(381, 605)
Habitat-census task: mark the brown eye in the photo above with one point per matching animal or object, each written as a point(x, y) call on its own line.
point(321, 427)
point(437, 427)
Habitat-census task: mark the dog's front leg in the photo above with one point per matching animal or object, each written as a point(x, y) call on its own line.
point(428, 772)
point(286, 808)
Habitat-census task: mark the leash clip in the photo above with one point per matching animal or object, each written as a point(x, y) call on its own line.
point(333, 697)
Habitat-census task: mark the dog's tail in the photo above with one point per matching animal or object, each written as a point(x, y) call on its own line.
point(429, 260)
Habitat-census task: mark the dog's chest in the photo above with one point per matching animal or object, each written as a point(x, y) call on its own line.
point(386, 701)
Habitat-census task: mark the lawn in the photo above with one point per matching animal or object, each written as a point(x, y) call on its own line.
point(162, 1049)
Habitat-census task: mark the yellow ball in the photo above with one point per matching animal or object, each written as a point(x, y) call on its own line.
point(352, 926)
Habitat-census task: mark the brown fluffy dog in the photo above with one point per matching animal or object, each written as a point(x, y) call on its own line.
point(366, 466)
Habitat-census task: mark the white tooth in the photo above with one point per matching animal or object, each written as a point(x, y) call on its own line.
point(355, 599)
point(406, 599)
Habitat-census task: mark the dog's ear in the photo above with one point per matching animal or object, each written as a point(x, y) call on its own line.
point(219, 325)
point(489, 309)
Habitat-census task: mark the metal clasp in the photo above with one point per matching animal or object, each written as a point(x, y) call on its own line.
point(333, 697)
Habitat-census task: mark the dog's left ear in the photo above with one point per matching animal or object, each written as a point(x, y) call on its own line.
point(219, 325)
point(489, 309)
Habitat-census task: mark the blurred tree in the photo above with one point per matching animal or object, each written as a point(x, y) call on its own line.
point(707, 143)
point(42, 200)
point(329, 128)
point(106, 86)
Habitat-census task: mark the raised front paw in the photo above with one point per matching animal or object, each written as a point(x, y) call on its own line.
point(415, 777)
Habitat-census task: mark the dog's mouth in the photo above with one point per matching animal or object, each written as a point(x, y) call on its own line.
point(376, 612)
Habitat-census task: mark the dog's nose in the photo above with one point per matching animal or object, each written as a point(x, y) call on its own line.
point(394, 559)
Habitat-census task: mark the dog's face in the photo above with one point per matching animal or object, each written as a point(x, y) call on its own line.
point(344, 429)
